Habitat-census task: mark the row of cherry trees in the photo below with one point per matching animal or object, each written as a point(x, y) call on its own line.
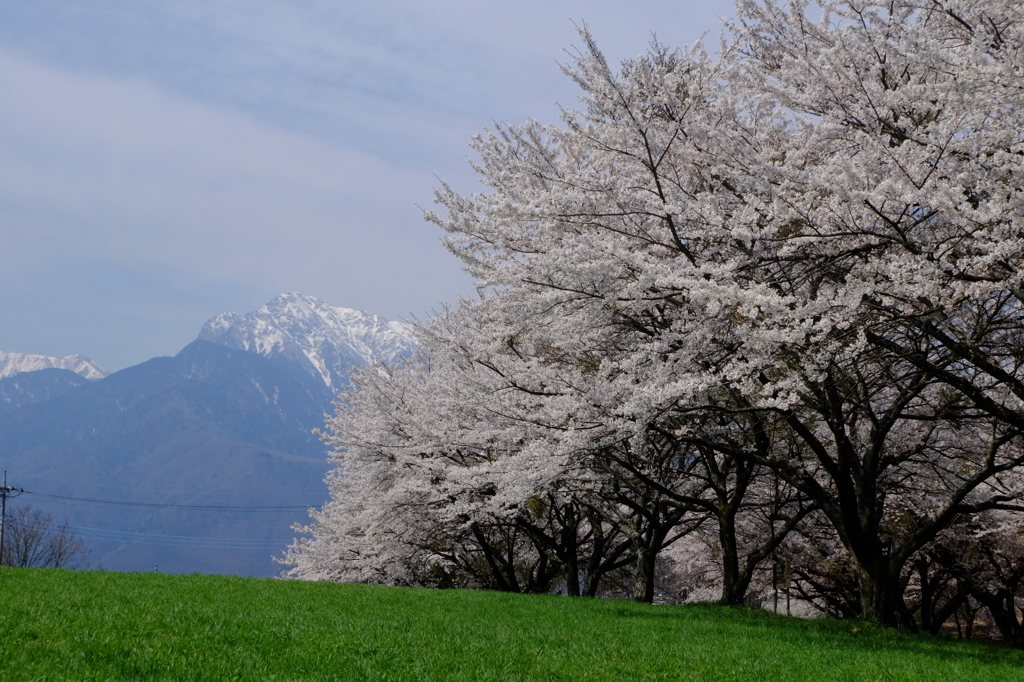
point(766, 304)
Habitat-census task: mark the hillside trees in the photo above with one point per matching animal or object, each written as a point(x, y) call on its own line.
point(435, 486)
point(899, 215)
point(584, 243)
point(732, 291)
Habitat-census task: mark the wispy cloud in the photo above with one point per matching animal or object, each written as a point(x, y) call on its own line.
point(190, 157)
point(112, 172)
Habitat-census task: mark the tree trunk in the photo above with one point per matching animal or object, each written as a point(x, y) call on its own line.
point(570, 555)
point(927, 601)
point(1003, 610)
point(643, 581)
point(734, 587)
point(881, 596)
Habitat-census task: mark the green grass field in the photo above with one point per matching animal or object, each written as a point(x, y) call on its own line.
point(64, 625)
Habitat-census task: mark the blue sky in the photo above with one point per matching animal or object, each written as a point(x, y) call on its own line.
point(163, 162)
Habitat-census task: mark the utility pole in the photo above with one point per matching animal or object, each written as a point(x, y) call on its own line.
point(5, 492)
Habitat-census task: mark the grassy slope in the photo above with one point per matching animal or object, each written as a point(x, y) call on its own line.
point(58, 625)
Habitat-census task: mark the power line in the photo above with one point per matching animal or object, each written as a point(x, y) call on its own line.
point(130, 537)
point(198, 507)
point(111, 490)
point(183, 541)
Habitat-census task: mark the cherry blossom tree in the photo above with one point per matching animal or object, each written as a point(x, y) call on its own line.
point(441, 480)
point(734, 290)
point(823, 224)
point(898, 218)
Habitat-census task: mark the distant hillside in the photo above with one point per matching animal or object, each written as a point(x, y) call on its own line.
point(213, 426)
point(26, 388)
point(210, 426)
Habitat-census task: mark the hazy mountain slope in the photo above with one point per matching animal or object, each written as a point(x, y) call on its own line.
point(228, 422)
point(26, 388)
point(210, 426)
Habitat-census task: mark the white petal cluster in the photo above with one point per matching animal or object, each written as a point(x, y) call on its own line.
point(723, 293)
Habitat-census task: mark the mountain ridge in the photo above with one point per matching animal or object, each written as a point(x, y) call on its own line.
point(325, 339)
point(228, 421)
point(12, 364)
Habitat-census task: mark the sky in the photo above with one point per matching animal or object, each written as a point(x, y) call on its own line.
point(162, 162)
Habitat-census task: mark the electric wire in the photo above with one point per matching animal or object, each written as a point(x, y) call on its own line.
point(183, 541)
point(198, 507)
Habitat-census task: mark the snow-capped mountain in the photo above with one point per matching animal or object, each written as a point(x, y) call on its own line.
point(302, 329)
point(216, 424)
point(210, 426)
point(16, 363)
